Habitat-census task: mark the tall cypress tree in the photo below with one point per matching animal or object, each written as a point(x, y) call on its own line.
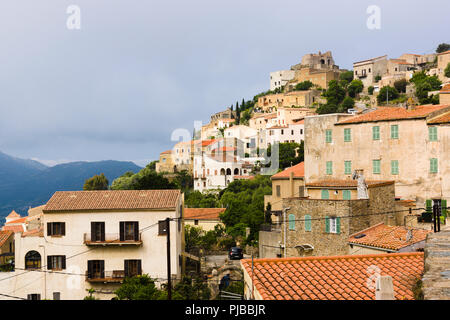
point(238, 113)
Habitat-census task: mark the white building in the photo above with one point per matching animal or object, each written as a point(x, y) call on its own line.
point(279, 78)
point(289, 133)
point(93, 240)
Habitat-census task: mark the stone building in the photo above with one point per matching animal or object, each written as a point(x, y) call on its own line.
point(443, 61)
point(368, 70)
point(316, 61)
point(272, 102)
point(319, 77)
point(444, 94)
point(279, 79)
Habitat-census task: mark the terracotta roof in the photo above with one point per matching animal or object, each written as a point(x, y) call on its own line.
point(227, 120)
point(4, 236)
point(388, 237)
point(445, 118)
point(270, 116)
point(334, 277)
point(348, 183)
point(394, 113)
point(244, 177)
point(445, 88)
point(21, 220)
point(278, 127)
point(166, 152)
point(298, 170)
point(13, 214)
point(203, 213)
point(38, 232)
point(445, 52)
point(112, 200)
point(14, 229)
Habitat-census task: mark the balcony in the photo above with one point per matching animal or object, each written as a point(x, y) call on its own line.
point(112, 239)
point(115, 276)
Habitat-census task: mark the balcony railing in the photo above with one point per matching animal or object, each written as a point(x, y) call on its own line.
point(111, 239)
point(115, 276)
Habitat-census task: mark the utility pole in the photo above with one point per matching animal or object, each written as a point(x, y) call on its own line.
point(285, 228)
point(169, 277)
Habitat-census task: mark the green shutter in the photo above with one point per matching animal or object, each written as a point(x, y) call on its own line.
point(394, 131)
point(329, 166)
point(433, 165)
point(328, 136)
point(376, 166)
point(347, 135)
point(429, 206)
point(394, 167)
point(307, 222)
point(444, 208)
point(347, 167)
point(291, 222)
point(325, 194)
point(432, 133)
point(376, 133)
point(347, 194)
point(327, 224)
point(338, 225)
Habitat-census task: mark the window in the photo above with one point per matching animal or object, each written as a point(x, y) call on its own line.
point(347, 135)
point(34, 296)
point(291, 221)
point(278, 191)
point(162, 228)
point(328, 136)
point(56, 262)
point(56, 295)
point(96, 269)
point(376, 166)
point(33, 260)
point(332, 225)
point(347, 167)
point(129, 231)
point(97, 231)
point(307, 222)
point(347, 194)
point(394, 167)
point(329, 167)
point(432, 133)
point(433, 165)
point(133, 268)
point(376, 133)
point(394, 131)
point(325, 194)
point(196, 222)
point(56, 229)
point(301, 191)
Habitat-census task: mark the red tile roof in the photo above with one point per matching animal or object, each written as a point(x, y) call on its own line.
point(348, 183)
point(445, 118)
point(112, 200)
point(166, 152)
point(298, 170)
point(244, 177)
point(13, 214)
point(38, 232)
point(334, 277)
point(445, 89)
point(445, 52)
point(394, 113)
point(21, 220)
point(4, 236)
point(14, 229)
point(203, 213)
point(388, 237)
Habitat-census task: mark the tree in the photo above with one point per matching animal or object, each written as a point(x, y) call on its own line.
point(184, 180)
point(238, 114)
point(348, 103)
point(387, 93)
point(146, 179)
point(443, 47)
point(289, 153)
point(335, 93)
point(346, 76)
point(140, 288)
point(152, 165)
point(400, 85)
point(355, 87)
point(424, 84)
point(191, 289)
point(370, 90)
point(97, 182)
point(196, 199)
point(305, 85)
point(268, 214)
point(377, 78)
point(447, 70)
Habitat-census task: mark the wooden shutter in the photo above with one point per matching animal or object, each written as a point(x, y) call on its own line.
point(102, 231)
point(307, 222)
point(444, 208)
point(49, 228)
point(338, 225)
point(136, 231)
point(139, 267)
point(126, 268)
point(63, 263)
point(93, 234)
point(122, 231)
point(102, 268)
point(90, 268)
point(327, 224)
point(49, 263)
point(63, 228)
point(291, 218)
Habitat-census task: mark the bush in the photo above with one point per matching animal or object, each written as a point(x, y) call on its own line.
point(400, 85)
point(305, 85)
point(447, 71)
point(387, 93)
point(370, 90)
point(355, 87)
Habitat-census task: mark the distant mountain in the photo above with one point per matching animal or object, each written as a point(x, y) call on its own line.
point(25, 183)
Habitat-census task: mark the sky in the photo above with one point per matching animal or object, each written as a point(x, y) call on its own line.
point(137, 70)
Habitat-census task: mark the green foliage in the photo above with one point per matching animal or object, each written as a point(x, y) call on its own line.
point(191, 289)
point(244, 200)
point(400, 85)
point(287, 154)
point(196, 199)
point(377, 78)
point(245, 117)
point(236, 287)
point(355, 87)
point(152, 165)
point(348, 103)
point(98, 182)
point(146, 179)
point(370, 90)
point(346, 76)
point(196, 237)
point(184, 180)
point(424, 84)
point(305, 85)
point(385, 93)
point(447, 70)
point(91, 295)
point(140, 288)
point(335, 95)
point(443, 47)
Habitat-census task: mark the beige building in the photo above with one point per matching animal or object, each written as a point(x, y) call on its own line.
point(443, 61)
point(319, 77)
point(317, 61)
point(410, 147)
point(93, 240)
point(368, 70)
point(205, 218)
point(272, 102)
point(444, 94)
point(165, 163)
point(279, 79)
point(6, 246)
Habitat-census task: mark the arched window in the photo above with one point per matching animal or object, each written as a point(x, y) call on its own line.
point(222, 172)
point(307, 222)
point(228, 172)
point(236, 171)
point(291, 221)
point(32, 260)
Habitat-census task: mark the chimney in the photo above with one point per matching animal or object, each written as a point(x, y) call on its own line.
point(362, 186)
point(384, 289)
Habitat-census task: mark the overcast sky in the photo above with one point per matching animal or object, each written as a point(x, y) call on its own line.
point(137, 69)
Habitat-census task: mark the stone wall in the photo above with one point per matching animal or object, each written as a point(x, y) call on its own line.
point(436, 280)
